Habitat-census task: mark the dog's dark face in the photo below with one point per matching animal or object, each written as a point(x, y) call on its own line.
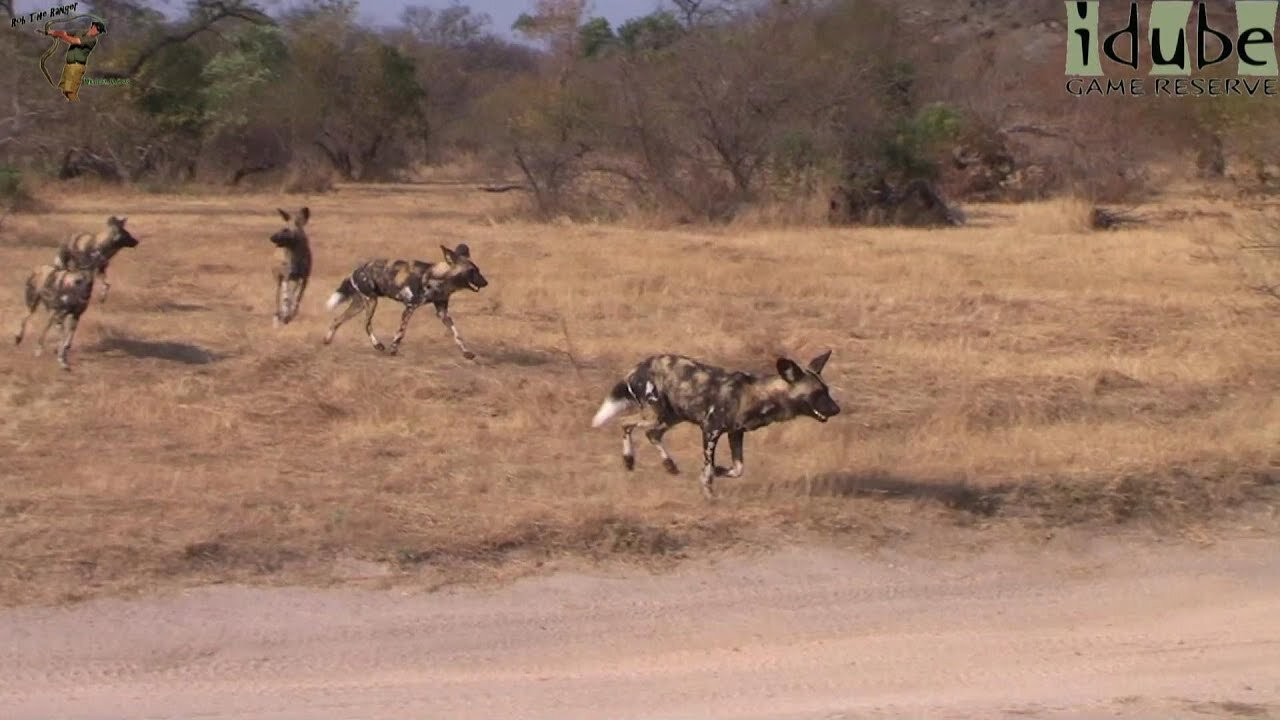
point(292, 232)
point(806, 392)
point(463, 271)
point(119, 235)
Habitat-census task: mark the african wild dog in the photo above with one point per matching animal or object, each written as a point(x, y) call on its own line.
point(90, 251)
point(679, 389)
point(294, 266)
point(66, 294)
point(412, 283)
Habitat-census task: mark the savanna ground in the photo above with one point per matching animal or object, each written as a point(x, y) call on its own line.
point(1017, 374)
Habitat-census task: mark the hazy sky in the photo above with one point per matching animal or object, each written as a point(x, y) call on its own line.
point(503, 12)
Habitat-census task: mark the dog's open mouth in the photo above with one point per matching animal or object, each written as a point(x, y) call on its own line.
point(474, 287)
point(820, 417)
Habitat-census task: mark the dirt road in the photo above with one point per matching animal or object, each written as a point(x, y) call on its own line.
point(1104, 630)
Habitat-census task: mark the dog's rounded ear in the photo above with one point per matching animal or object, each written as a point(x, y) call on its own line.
point(449, 256)
point(304, 215)
point(123, 218)
point(114, 221)
point(789, 371)
point(462, 250)
point(283, 214)
point(816, 364)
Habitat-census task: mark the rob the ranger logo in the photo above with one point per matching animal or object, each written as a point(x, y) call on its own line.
point(1252, 42)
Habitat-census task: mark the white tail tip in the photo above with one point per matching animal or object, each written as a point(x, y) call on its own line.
point(608, 411)
point(335, 300)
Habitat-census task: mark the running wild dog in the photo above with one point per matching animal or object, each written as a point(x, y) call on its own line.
point(412, 283)
point(678, 389)
point(293, 269)
point(66, 294)
point(90, 251)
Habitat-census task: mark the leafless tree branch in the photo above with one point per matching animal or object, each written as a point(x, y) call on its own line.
point(212, 12)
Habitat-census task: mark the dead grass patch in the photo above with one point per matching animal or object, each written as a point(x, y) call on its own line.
point(1024, 371)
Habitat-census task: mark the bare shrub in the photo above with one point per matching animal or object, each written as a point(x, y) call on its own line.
point(916, 203)
point(547, 127)
point(713, 118)
point(308, 173)
point(701, 112)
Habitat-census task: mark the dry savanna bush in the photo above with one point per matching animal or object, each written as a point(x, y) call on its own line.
point(1016, 372)
point(715, 111)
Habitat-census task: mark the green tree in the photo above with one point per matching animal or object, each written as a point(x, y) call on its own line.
point(236, 81)
point(916, 143)
point(595, 37)
point(654, 31)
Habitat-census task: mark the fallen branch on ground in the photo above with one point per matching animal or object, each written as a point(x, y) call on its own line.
point(500, 188)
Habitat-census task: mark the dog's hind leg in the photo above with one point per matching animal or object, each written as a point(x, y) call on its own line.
point(628, 448)
point(371, 305)
point(53, 317)
point(654, 436)
point(282, 294)
point(299, 287)
point(357, 304)
point(69, 323)
point(32, 298)
point(22, 329)
point(288, 303)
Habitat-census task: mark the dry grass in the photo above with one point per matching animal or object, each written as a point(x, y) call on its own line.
point(1018, 368)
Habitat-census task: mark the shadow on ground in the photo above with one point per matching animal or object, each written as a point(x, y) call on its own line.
point(522, 357)
point(1170, 494)
point(178, 352)
point(179, 307)
point(955, 494)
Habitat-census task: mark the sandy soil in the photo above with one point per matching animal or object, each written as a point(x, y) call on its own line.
point(1096, 629)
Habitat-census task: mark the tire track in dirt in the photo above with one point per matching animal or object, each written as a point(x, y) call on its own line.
point(1107, 629)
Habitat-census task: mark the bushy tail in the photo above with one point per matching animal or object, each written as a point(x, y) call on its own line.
point(618, 401)
point(341, 295)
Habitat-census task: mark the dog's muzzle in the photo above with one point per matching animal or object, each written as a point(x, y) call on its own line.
point(823, 416)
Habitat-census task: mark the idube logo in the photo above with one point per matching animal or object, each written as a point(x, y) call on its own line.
point(1253, 45)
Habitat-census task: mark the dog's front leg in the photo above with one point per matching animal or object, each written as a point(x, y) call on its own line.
point(710, 438)
point(735, 449)
point(442, 312)
point(404, 324)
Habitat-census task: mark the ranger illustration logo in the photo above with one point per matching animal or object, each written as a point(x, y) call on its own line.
point(79, 44)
